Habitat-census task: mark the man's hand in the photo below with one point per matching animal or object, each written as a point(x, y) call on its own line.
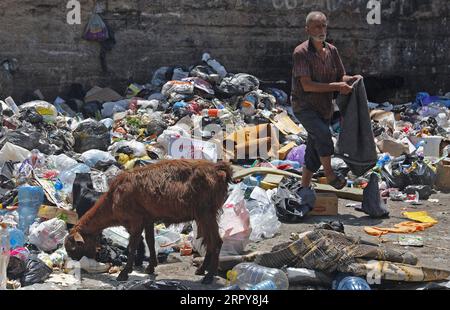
point(351, 79)
point(356, 77)
point(343, 88)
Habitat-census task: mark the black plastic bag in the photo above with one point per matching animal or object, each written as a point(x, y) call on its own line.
point(238, 84)
point(292, 202)
point(91, 135)
point(32, 116)
point(421, 173)
point(16, 268)
point(424, 191)
point(27, 140)
point(372, 204)
point(36, 272)
point(153, 285)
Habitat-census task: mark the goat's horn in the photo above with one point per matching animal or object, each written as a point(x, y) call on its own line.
point(78, 238)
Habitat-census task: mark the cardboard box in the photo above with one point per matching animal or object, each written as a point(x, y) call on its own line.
point(326, 204)
point(284, 151)
point(50, 212)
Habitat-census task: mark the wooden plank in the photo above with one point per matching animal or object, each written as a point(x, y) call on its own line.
point(355, 194)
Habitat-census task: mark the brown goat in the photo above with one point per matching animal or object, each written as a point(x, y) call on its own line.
point(171, 191)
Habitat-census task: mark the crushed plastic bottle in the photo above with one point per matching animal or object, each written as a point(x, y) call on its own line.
point(266, 285)
point(348, 283)
point(247, 275)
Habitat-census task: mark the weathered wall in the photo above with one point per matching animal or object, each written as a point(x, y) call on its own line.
point(255, 36)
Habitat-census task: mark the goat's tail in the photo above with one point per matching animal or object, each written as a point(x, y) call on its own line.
point(224, 170)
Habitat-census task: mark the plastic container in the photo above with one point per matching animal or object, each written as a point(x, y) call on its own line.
point(16, 238)
point(248, 105)
point(247, 275)
point(10, 102)
point(30, 199)
point(266, 285)
point(214, 112)
point(4, 255)
point(431, 146)
point(348, 283)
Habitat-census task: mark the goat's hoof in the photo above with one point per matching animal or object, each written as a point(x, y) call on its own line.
point(123, 276)
point(208, 279)
point(200, 272)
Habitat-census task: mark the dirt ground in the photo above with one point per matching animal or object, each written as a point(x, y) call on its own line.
point(435, 253)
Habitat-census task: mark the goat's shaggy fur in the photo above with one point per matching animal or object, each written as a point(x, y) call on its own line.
point(172, 191)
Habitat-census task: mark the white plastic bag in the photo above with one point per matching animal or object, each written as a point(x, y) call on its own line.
point(13, 152)
point(234, 224)
point(137, 147)
point(263, 216)
point(61, 162)
point(48, 235)
point(92, 157)
point(47, 110)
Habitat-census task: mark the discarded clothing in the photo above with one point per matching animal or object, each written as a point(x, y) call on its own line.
point(401, 228)
point(330, 251)
point(356, 144)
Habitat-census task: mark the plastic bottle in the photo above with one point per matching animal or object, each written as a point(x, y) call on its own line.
point(348, 283)
point(246, 275)
point(4, 255)
point(16, 238)
point(266, 285)
point(248, 105)
point(215, 65)
point(10, 102)
point(30, 199)
point(382, 160)
point(230, 288)
point(214, 112)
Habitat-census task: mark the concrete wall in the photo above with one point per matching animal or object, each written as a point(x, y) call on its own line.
point(255, 36)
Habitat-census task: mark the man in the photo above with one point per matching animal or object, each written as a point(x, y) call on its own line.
point(317, 73)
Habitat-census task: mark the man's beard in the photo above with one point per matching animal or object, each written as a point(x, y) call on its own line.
point(320, 38)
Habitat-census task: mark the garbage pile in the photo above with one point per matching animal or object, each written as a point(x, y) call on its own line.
point(57, 158)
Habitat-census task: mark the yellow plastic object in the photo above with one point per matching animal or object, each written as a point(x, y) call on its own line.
point(123, 158)
point(231, 277)
point(420, 216)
